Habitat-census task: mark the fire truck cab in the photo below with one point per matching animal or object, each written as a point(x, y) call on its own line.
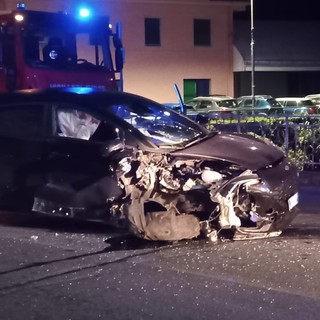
point(44, 49)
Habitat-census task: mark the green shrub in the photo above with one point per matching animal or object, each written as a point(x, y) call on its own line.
point(298, 137)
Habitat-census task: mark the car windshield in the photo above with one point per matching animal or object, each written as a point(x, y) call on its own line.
point(162, 125)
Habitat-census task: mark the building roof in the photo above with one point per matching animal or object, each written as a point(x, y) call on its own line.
point(285, 44)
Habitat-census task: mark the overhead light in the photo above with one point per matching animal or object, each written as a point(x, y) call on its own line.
point(19, 17)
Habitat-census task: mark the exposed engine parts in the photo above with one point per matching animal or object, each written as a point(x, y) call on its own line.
point(173, 199)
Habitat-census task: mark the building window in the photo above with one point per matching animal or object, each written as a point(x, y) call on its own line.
point(152, 31)
point(195, 87)
point(202, 32)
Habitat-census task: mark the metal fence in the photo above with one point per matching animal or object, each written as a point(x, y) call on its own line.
point(298, 137)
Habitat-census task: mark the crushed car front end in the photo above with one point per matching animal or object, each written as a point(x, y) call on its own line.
point(183, 194)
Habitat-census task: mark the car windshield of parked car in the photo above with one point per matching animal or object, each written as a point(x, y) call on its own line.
point(159, 124)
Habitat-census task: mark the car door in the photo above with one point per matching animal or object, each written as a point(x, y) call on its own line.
point(79, 168)
point(291, 107)
point(22, 131)
point(247, 106)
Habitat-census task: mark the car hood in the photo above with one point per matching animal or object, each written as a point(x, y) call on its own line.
point(241, 149)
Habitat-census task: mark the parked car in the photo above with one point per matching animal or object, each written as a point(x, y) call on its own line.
point(298, 106)
point(200, 109)
point(212, 105)
point(315, 98)
point(264, 105)
point(122, 158)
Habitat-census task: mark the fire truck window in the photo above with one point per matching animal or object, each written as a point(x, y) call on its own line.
point(32, 48)
point(22, 122)
point(85, 49)
point(7, 51)
point(54, 52)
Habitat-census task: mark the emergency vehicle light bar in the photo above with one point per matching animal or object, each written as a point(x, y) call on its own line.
point(21, 5)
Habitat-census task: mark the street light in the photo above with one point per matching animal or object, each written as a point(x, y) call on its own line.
point(252, 59)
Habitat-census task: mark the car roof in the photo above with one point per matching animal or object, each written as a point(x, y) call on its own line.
point(260, 96)
point(212, 98)
point(80, 95)
point(315, 95)
point(221, 96)
point(292, 99)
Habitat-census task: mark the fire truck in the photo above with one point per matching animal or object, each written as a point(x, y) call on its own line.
point(41, 49)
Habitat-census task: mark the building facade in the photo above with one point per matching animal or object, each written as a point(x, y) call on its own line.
point(287, 60)
point(167, 42)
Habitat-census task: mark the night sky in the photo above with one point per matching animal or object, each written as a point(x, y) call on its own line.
point(284, 10)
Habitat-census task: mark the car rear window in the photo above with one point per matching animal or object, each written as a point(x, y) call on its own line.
point(305, 103)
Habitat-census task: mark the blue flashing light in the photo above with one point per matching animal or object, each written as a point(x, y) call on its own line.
point(84, 13)
point(21, 6)
point(82, 90)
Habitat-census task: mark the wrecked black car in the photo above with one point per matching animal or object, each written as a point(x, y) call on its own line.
point(130, 161)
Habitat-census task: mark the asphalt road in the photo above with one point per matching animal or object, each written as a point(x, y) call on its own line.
point(58, 269)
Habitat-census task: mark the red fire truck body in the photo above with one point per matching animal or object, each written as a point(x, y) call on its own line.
point(43, 49)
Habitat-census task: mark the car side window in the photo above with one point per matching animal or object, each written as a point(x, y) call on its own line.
point(248, 102)
point(79, 124)
point(204, 104)
point(193, 104)
point(291, 104)
point(22, 121)
point(74, 123)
